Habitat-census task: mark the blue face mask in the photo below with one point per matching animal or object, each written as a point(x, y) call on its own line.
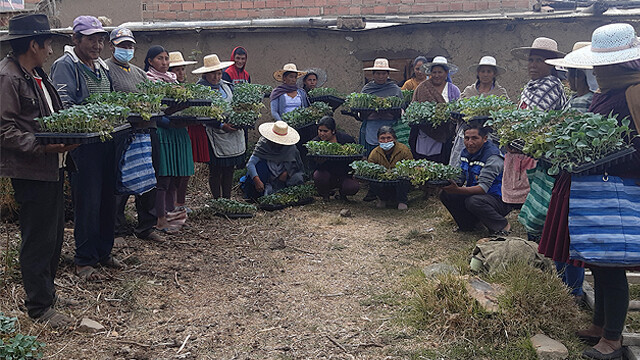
point(387, 146)
point(123, 55)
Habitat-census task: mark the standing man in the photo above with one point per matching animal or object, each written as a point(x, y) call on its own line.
point(236, 73)
point(125, 77)
point(35, 170)
point(77, 74)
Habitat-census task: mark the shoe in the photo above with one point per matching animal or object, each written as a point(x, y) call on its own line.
point(153, 237)
point(64, 302)
point(112, 262)
point(369, 197)
point(54, 319)
point(402, 206)
point(588, 339)
point(594, 354)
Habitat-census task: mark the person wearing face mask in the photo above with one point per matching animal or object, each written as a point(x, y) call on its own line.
point(388, 152)
point(275, 162)
point(125, 76)
point(479, 200)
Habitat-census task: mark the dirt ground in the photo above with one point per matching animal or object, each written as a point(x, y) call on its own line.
point(300, 283)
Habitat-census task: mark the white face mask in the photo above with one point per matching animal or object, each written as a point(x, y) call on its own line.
point(387, 146)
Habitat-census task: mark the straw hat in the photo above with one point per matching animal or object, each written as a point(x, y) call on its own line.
point(488, 61)
point(321, 74)
point(291, 67)
point(561, 62)
point(380, 64)
point(541, 44)
point(279, 132)
point(176, 59)
point(610, 44)
point(211, 64)
point(440, 61)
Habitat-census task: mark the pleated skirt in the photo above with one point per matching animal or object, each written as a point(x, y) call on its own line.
point(175, 155)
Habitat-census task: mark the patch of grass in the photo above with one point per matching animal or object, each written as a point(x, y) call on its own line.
point(633, 321)
point(128, 292)
point(337, 221)
point(634, 291)
point(388, 299)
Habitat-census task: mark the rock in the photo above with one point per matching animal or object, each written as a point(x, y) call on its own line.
point(277, 244)
point(434, 270)
point(90, 326)
point(484, 293)
point(549, 349)
point(350, 23)
point(345, 212)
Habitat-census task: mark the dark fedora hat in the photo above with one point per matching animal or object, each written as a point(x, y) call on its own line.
point(28, 25)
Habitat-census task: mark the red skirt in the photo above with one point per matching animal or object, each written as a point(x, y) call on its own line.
point(199, 143)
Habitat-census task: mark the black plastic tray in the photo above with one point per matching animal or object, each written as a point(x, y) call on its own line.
point(196, 119)
point(347, 158)
point(135, 118)
point(441, 183)
point(460, 117)
point(79, 138)
point(191, 102)
point(269, 207)
point(360, 113)
point(386, 182)
point(331, 100)
point(600, 166)
point(236, 216)
point(243, 127)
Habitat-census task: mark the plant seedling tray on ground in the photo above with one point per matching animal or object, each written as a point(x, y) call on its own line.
point(135, 118)
point(384, 182)
point(274, 207)
point(76, 138)
point(236, 216)
point(191, 102)
point(331, 100)
point(344, 158)
point(600, 166)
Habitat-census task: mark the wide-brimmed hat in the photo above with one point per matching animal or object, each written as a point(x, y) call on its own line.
point(279, 132)
point(291, 67)
point(561, 61)
point(321, 74)
point(488, 61)
point(211, 64)
point(88, 25)
point(380, 64)
point(440, 61)
point(28, 25)
point(610, 44)
point(542, 45)
point(176, 59)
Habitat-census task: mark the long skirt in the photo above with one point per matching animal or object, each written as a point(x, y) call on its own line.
point(175, 155)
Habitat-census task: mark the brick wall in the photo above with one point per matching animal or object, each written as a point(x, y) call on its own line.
point(249, 9)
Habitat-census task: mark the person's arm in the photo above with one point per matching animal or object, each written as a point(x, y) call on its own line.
point(492, 168)
point(275, 109)
point(63, 75)
point(251, 166)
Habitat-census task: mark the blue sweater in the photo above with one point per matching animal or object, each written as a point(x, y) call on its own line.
point(280, 103)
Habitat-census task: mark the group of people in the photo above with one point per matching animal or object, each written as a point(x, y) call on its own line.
point(493, 181)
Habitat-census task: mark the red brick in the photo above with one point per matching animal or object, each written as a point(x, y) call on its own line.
point(404, 9)
point(444, 7)
point(278, 12)
point(314, 11)
point(182, 15)
point(170, 15)
point(175, 6)
point(302, 12)
point(259, 4)
point(163, 7)
point(187, 6)
point(246, 4)
point(298, 3)
point(356, 2)
point(456, 7)
point(354, 10)
point(393, 9)
point(290, 12)
point(482, 5)
point(211, 5)
point(242, 14)
point(329, 11)
point(468, 6)
point(199, 6)
point(379, 9)
point(284, 3)
point(228, 14)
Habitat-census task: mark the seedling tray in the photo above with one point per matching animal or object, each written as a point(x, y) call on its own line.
point(331, 100)
point(343, 158)
point(76, 138)
point(364, 113)
point(517, 144)
point(600, 166)
point(196, 119)
point(236, 216)
point(384, 182)
point(441, 183)
point(191, 102)
point(135, 118)
point(460, 117)
point(274, 207)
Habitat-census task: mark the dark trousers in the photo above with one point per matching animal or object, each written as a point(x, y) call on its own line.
point(93, 189)
point(220, 180)
point(42, 230)
point(397, 192)
point(468, 210)
point(325, 181)
point(611, 291)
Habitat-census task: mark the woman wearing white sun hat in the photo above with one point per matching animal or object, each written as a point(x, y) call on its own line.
point(275, 162)
point(287, 96)
point(614, 54)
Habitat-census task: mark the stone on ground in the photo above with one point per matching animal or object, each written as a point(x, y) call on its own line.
point(90, 326)
point(434, 270)
point(485, 294)
point(345, 212)
point(549, 349)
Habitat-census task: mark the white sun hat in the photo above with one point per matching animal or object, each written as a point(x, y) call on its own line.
point(562, 62)
point(541, 44)
point(291, 67)
point(211, 64)
point(380, 64)
point(610, 44)
point(440, 61)
point(488, 61)
point(176, 59)
point(279, 132)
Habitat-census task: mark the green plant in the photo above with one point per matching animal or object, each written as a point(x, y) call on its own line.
point(421, 171)
point(264, 89)
point(246, 104)
point(519, 124)
point(90, 118)
point(219, 107)
point(373, 171)
point(325, 91)
point(21, 347)
point(407, 95)
point(228, 206)
point(143, 104)
point(289, 195)
point(7, 324)
point(480, 105)
point(303, 116)
point(368, 101)
point(329, 148)
point(426, 112)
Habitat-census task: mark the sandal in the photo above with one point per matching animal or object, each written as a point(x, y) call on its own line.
point(88, 273)
point(54, 319)
point(112, 262)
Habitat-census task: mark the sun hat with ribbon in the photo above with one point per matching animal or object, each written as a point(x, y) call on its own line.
point(211, 64)
point(28, 25)
point(610, 44)
point(291, 67)
point(561, 62)
point(440, 61)
point(380, 64)
point(541, 45)
point(488, 61)
point(176, 59)
point(320, 74)
point(279, 132)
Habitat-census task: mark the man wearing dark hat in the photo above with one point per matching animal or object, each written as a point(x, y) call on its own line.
point(77, 74)
point(35, 170)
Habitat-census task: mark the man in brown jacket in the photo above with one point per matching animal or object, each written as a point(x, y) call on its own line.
point(35, 170)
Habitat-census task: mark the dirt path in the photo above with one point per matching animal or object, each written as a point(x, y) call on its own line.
point(301, 283)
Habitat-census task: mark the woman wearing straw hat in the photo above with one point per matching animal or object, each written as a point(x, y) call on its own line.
point(614, 54)
point(275, 162)
point(287, 96)
point(313, 78)
point(427, 142)
point(543, 91)
point(177, 65)
point(226, 143)
point(380, 86)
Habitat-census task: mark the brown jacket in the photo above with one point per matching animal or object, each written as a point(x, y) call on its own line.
point(22, 101)
point(400, 152)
